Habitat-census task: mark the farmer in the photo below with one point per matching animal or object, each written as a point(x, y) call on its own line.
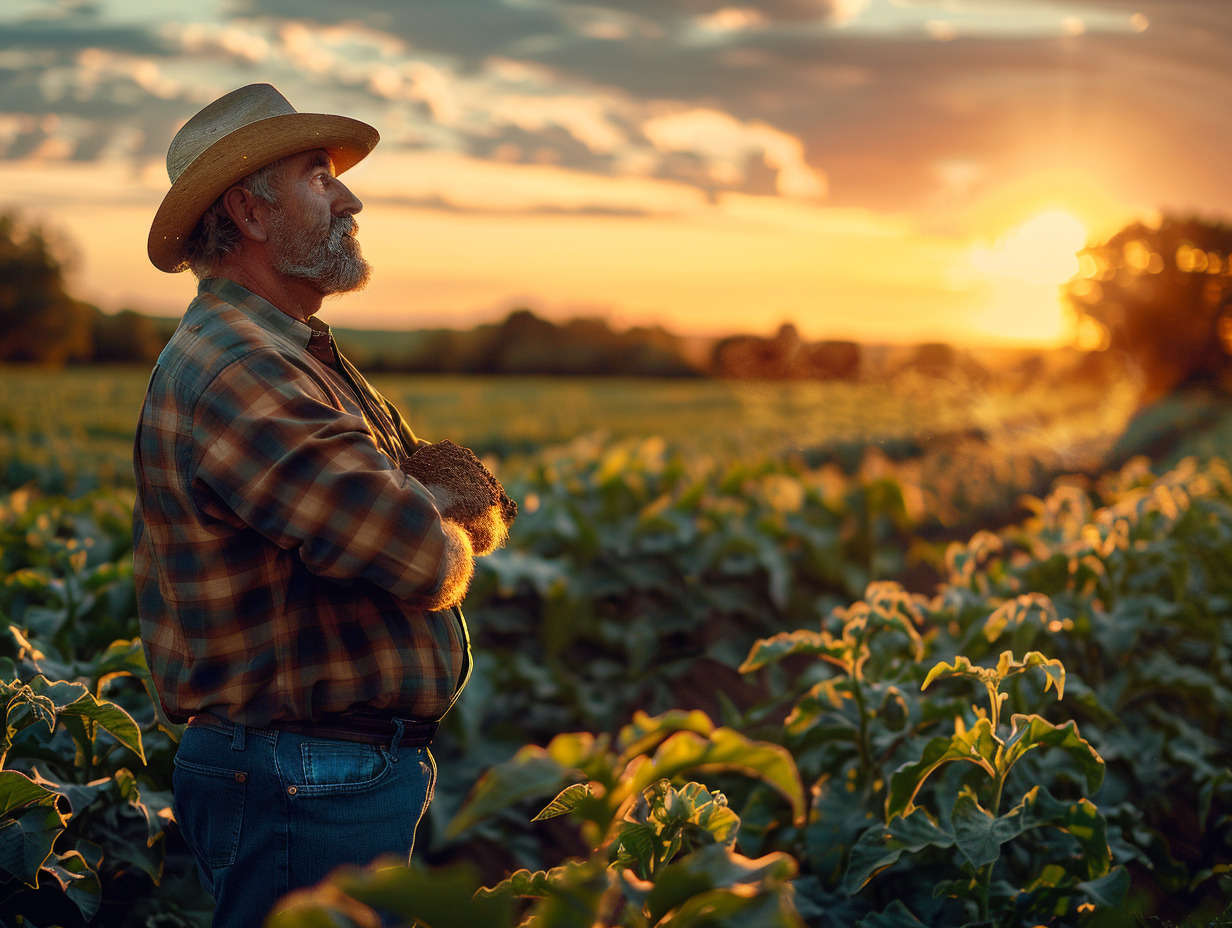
point(300, 555)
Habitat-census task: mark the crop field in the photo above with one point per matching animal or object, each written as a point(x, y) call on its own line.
point(757, 654)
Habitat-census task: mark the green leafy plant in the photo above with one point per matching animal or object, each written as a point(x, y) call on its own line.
point(671, 858)
point(82, 724)
point(638, 822)
point(661, 852)
point(977, 827)
point(607, 779)
point(36, 813)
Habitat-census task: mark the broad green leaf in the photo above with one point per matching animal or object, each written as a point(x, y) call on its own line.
point(111, 717)
point(645, 732)
point(1081, 819)
point(78, 795)
point(17, 789)
point(155, 806)
point(41, 709)
point(78, 880)
point(769, 650)
point(637, 847)
point(881, 846)
point(748, 907)
point(582, 898)
point(719, 821)
point(530, 773)
point(895, 609)
point(726, 749)
point(26, 840)
point(896, 915)
point(1032, 731)
point(123, 657)
point(75, 700)
point(565, 802)
point(1016, 611)
point(977, 745)
point(526, 883)
point(581, 751)
point(128, 657)
point(62, 693)
point(1110, 890)
point(979, 835)
point(962, 666)
point(819, 702)
point(709, 868)
point(977, 832)
point(1054, 670)
point(442, 898)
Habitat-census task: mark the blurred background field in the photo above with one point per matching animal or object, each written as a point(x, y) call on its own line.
point(71, 430)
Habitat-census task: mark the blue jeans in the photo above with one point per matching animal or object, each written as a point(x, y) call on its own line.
point(268, 811)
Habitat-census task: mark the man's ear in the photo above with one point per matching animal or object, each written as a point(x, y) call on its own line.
point(243, 208)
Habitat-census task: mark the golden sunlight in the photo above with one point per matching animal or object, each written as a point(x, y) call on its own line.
point(1043, 250)
point(1024, 270)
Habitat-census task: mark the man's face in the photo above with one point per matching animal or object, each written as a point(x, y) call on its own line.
point(312, 226)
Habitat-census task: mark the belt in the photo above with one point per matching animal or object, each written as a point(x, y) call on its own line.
point(363, 729)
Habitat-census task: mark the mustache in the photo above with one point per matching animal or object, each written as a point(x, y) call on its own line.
point(340, 239)
point(343, 225)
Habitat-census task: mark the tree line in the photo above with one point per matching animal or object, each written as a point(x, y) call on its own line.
point(42, 323)
point(1158, 296)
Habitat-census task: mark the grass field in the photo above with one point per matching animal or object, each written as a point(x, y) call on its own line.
point(72, 429)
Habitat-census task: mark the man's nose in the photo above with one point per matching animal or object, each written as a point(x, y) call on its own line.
point(347, 203)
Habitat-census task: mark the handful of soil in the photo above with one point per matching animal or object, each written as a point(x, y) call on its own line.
point(465, 491)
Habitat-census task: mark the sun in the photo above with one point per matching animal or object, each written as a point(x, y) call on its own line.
point(1043, 250)
point(1022, 273)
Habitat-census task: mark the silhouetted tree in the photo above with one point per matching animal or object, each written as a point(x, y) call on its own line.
point(39, 321)
point(1160, 294)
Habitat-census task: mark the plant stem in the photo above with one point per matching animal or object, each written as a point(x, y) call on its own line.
point(986, 872)
point(866, 763)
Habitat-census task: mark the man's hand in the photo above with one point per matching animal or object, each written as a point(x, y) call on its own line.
point(465, 491)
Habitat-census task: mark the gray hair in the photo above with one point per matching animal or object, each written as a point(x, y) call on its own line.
point(215, 235)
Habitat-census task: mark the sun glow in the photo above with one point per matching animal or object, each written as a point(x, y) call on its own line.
point(1024, 270)
point(1043, 250)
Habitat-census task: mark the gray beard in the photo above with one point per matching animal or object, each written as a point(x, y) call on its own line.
point(334, 264)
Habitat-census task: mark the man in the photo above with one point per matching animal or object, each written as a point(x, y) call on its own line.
point(299, 554)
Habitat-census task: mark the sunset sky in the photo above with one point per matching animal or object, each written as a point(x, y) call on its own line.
point(885, 170)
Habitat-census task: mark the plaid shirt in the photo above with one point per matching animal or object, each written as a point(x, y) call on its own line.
point(281, 557)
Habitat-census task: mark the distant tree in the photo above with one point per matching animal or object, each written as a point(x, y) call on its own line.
point(126, 337)
point(1160, 296)
point(39, 321)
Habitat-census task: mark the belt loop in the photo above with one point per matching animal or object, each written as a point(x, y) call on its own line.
point(398, 729)
point(237, 737)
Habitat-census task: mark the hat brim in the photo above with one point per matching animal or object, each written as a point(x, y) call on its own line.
point(235, 156)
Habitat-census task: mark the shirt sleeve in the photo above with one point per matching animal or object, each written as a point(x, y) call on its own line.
point(309, 477)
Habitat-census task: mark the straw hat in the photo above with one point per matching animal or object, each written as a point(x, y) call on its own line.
point(235, 135)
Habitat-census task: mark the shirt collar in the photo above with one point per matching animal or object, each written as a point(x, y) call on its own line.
point(261, 310)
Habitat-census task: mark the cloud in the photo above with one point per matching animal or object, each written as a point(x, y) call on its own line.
point(439, 203)
point(865, 101)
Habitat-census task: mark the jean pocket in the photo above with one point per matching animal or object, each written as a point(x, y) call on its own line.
point(210, 810)
point(342, 765)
